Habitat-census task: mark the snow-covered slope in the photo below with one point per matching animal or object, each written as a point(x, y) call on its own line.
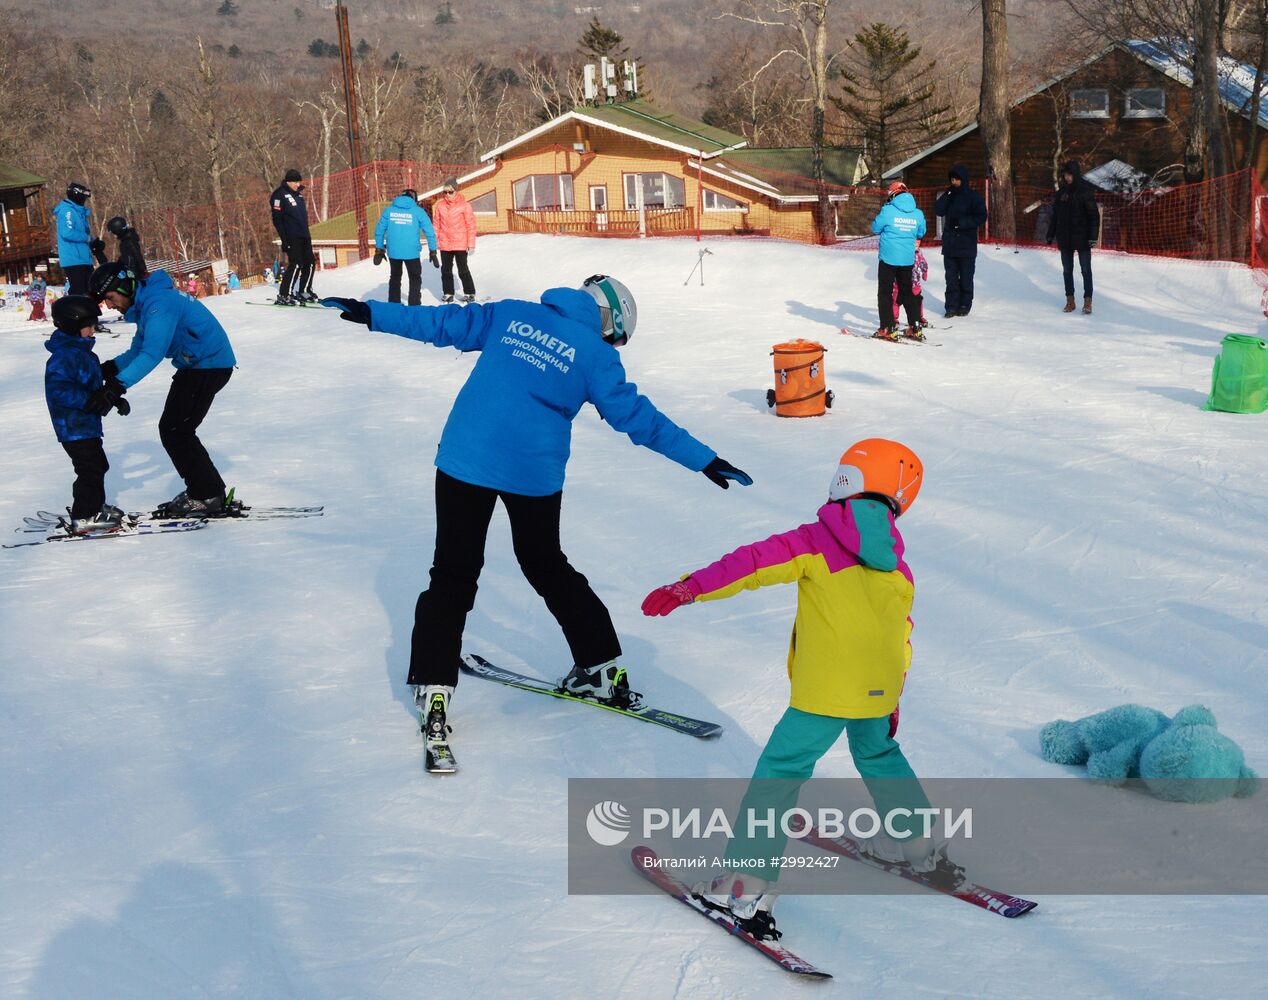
point(211, 780)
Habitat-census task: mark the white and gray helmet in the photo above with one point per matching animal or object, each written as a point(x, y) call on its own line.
point(617, 310)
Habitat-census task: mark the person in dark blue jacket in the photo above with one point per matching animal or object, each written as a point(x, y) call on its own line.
point(508, 437)
point(72, 388)
point(76, 245)
point(290, 219)
point(899, 224)
point(965, 212)
point(399, 234)
point(172, 324)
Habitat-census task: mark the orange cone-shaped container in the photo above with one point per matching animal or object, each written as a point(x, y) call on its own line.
point(799, 380)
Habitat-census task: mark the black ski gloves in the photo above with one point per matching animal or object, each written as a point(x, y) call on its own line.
point(378, 256)
point(286, 246)
point(106, 398)
point(431, 256)
point(122, 406)
point(97, 245)
point(723, 473)
point(350, 309)
point(109, 369)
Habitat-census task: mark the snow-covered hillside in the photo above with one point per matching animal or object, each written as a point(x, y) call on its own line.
point(211, 778)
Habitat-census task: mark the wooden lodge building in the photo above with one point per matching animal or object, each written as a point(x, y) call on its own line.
point(25, 234)
point(1129, 102)
point(632, 169)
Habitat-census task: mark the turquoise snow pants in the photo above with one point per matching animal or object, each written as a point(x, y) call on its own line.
point(794, 748)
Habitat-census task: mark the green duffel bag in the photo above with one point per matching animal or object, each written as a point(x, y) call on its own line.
point(1239, 380)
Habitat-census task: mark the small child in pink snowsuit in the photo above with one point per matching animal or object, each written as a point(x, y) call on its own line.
point(919, 275)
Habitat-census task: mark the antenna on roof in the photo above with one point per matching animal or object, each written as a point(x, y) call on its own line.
point(591, 82)
point(631, 78)
point(607, 73)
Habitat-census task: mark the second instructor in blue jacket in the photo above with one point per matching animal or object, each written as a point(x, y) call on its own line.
point(508, 438)
point(399, 235)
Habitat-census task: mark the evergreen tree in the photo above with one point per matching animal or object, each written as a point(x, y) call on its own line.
point(445, 15)
point(363, 49)
point(234, 51)
point(227, 9)
point(599, 41)
point(888, 94)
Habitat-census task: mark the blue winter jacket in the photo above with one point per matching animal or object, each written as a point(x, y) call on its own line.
point(74, 233)
point(899, 225)
point(399, 225)
point(71, 375)
point(171, 324)
point(510, 428)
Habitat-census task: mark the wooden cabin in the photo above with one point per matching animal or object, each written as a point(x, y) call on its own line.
point(25, 233)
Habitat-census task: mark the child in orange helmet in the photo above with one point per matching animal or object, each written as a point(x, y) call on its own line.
point(847, 663)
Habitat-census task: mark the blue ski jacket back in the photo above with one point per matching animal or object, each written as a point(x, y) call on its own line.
point(510, 428)
point(74, 233)
point(400, 225)
point(171, 324)
point(899, 225)
point(72, 374)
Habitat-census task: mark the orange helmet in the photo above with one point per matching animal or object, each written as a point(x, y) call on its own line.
point(895, 188)
point(885, 468)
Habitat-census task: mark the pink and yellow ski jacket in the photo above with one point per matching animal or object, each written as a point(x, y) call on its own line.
point(850, 645)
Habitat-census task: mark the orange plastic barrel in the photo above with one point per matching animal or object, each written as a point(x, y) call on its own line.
point(799, 380)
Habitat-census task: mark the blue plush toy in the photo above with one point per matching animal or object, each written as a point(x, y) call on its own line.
point(1177, 758)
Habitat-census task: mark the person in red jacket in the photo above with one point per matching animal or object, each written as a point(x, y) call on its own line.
point(456, 236)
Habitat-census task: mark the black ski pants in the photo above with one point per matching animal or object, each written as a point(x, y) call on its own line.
point(300, 262)
point(447, 260)
point(463, 512)
point(77, 275)
point(959, 271)
point(886, 277)
point(1085, 265)
point(88, 495)
point(188, 401)
point(414, 268)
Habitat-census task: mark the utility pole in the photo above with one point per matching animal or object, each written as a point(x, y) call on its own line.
point(354, 127)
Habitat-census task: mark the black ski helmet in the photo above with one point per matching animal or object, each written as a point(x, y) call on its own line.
point(78, 193)
point(114, 277)
point(71, 313)
point(117, 225)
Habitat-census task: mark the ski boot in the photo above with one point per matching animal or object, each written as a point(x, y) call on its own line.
point(468, 299)
point(432, 702)
point(447, 300)
point(307, 295)
point(887, 333)
point(284, 300)
point(922, 855)
point(914, 333)
point(606, 683)
point(183, 505)
point(105, 522)
point(747, 899)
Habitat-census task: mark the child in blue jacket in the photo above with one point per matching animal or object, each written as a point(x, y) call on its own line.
point(508, 438)
point(72, 387)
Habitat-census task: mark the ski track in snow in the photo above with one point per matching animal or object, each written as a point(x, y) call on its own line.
point(212, 779)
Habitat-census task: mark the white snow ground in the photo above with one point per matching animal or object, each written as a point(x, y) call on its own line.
point(212, 784)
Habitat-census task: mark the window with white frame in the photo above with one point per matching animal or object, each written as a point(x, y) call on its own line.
point(539, 192)
point(657, 190)
point(1089, 103)
point(716, 202)
point(1146, 102)
point(486, 204)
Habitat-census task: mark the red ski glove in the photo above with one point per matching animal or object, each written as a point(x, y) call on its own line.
point(893, 722)
point(664, 599)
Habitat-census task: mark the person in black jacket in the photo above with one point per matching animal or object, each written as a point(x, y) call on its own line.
point(1075, 224)
point(964, 211)
point(129, 246)
point(290, 219)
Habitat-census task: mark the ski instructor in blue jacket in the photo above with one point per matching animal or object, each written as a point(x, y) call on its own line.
point(400, 232)
point(900, 224)
point(508, 438)
point(171, 324)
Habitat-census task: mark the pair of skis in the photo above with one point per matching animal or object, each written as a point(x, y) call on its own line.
point(439, 754)
point(946, 878)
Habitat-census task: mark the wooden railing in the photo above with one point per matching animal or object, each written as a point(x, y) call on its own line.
point(24, 243)
point(615, 222)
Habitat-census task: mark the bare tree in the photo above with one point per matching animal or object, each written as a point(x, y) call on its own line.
point(804, 25)
point(993, 110)
point(329, 109)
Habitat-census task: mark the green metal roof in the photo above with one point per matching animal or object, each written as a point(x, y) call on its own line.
point(639, 116)
point(796, 163)
point(12, 177)
point(344, 227)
